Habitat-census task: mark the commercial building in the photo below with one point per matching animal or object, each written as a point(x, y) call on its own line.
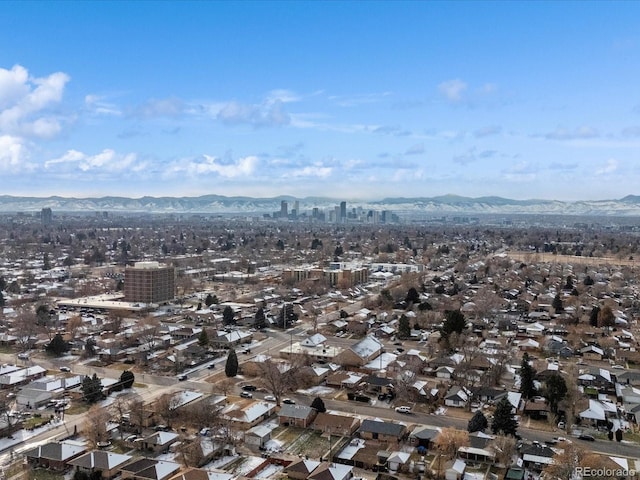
point(149, 282)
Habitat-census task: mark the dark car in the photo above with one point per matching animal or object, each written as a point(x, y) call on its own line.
point(211, 366)
point(288, 401)
point(587, 438)
point(249, 388)
point(182, 378)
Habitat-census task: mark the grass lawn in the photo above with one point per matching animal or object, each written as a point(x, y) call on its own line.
point(34, 422)
point(77, 408)
point(43, 474)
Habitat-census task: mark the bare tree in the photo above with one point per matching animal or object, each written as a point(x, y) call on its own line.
point(278, 378)
point(73, 324)
point(25, 329)
point(190, 451)
point(449, 440)
point(118, 409)
point(95, 425)
point(149, 328)
point(504, 448)
point(167, 407)
point(137, 412)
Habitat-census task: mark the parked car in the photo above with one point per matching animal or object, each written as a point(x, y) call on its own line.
point(65, 369)
point(182, 377)
point(246, 394)
point(288, 401)
point(588, 438)
point(249, 388)
point(270, 398)
point(23, 356)
point(403, 409)
point(211, 366)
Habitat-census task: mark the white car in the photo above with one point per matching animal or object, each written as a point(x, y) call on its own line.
point(403, 409)
point(270, 398)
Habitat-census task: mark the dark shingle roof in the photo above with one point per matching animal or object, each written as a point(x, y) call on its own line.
point(384, 428)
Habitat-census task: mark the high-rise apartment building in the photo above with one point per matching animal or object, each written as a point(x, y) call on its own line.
point(46, 216)
point(343, 211)
point(149, 282)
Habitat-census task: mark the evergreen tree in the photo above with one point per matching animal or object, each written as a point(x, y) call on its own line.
point(210, 300)
point(503, 419)
point(260, 321)
point(127, 378)
point(412, 296)
point(90, 347)
point(453, 322)
point(203, 338)
point(527, 374)
point(57, 346)
point(318, 404)
point(477, 423)
point(91, 388)
point(228, 316)
point(557, 303)
point(231, 367)
point(404, 329)
point(2, 300)
point(46, 264)
point(593, 316)
point(555, 391)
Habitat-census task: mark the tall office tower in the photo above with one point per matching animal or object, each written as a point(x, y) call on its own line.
point(337, 216)
point(284, 209)
point(149, 282)
point(343, 211)
point(46, 216)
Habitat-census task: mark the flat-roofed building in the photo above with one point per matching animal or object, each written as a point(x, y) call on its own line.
point(149, 282)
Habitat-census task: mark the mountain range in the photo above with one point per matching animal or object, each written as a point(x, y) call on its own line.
point(446, 204)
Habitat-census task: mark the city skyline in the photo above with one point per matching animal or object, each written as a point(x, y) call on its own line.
point(354, 100)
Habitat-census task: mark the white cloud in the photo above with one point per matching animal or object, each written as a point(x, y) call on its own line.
point(416, 149)
point(580, 133)
point(208, 164)
point(106, 161)
point(163, 107)
point(268, 114)
point(100, 106)
point(610, 167)
point(13, 154)
point(453, 90)
point(25, 100)
point(312, 171)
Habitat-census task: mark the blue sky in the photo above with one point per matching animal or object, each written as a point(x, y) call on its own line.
point(354, 100)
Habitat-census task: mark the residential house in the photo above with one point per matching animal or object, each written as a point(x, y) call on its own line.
point(149, 469)
point(53, 455)
point(381, 431)
point(301, 469)
point(248, 414)
point(296, 415)
point(201, 474)
point(332, 471)
point(159, 441)
point(423, 436)
point(592, 352)
point(107, 463)
point(457, 396)
point(361, 353)
point(536, 456)
point(343, 425)
point(257, 436)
